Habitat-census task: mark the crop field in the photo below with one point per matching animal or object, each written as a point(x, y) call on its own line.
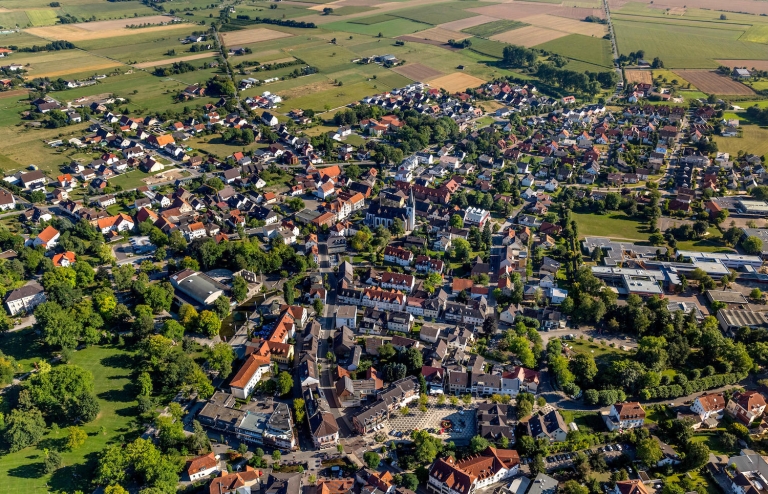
point(374, 19)
point(458, 81)
point(389, 29)
point(749, 64)
point(671, 76)
point(417, 72)
point(245, 36)
point(495, 27)
point(348, 10)
point(108, 10)
point(441, 35)
point(463, 24)
point(196, 56)
point(638, 76)
point(42, 17)
point(567, 25)
point(139, 48)
point(587, 49)
point(75, 32)
point(748, 6)
point(529, 36)
point(21, 39)
point(438, 13)
point(518, 11)
point(60, 63)
point(713, 83)
point(11, 20)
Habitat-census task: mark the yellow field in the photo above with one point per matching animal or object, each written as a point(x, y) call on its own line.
point(60, 63)
point(756, 34)
point(638, 76)
point(196, 56)
point(671, 76)
point(458, 81)
point(71, 32)
point(246, 36)
point(529, 36)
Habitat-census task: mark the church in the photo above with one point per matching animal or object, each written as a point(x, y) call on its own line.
point(381, 213)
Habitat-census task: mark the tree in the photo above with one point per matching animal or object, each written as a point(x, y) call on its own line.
point(537, 465)
point(284, 383)
point(317, 305)
point(432, 282)
point(220, 358)
point(696, 455)
point(372, 459)
point(457, 221)
point(409, 481)
point(76, 437)
point(52, 461)
point(221, 307)
point(239, 288)
point(123, 275)
point(199, 441)
point(478, 444)
point(188, 316)
point(461, 250)
point(405, 411)
point(298, 410)
point(572, 487)
point(756, 294)
point(209, 323)
point(752, 245)
point(24, 428)
point(173, 330)
point(649, 452)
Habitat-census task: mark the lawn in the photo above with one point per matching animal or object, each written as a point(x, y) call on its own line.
point(494, 27)
point(598, 350)
point(754, 140)
point(113, 385)
point(712, 243)
point(700, 480)
point(714, 443)
point(586, 421)
point(587, 49)
point(614, 225)
point(21, 148)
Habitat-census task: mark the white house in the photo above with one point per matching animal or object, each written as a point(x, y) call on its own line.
point(346, 315)
point(627, 415)
point(709, 407)
point(7, 201)
point(48, 238)
point(25, 299)
point(202, 466)
point(746, 407)
point(249, 375)
point(476, 472)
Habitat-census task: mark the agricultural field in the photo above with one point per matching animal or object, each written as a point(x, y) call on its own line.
point(519, 11)
point(101, 30)
point(494, 27)
point(529, 36)
point(245, 36)
point(713, 83)
point(140, 47)
point(488, 47)
point(389, 28)
point(638, 76)
point(596, 51)
point(417, 72)
point(467, 23)
point(374, 19)
point(62, 63)
point(439, 13)
point(749, 64)
point(440, 34)
point(458, 81)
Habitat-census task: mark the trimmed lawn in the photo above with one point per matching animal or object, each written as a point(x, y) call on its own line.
point(599, 351)
point(754, 140)
point(23, 471)
point(698, 479)
point(714, 443)
point(614, 225)
point(587, 421)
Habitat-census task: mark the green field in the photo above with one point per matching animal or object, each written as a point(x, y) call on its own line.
point(613, 225)
point(388, 29)
point(492, 28)
point(282, 11)
point(488, 47)
point(439, 13)
point(349, 10)
point(141, 47)
point(106, 10)
point(754, 140)
point(21, 39)
point(42, 17)
point(11, 20)
point(22, 471)
point(685, 46)
point(596, 51)
point(374, 19)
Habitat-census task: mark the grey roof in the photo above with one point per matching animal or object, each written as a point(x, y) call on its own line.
point(196, 285)
point(743, 318)
point(543, 484)
point(548, 424)
point(29, 290)
point(727, 296)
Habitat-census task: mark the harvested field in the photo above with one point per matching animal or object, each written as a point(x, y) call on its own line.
point(493, 28)
point(518, 11)
point(529, 36)
point(415, 39)
point(441, 35)
point(76, 70)
point(712, 83)
point(567, 25)
point(458, 81)
point(749, 64)
point(70, 32)
point(747, 6)
point(13, 93)
point(467, 23)
point(417, 72)
point(168, 61)
point(246, 36)
point(638, 76)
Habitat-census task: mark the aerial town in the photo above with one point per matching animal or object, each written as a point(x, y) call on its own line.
point(546, 280)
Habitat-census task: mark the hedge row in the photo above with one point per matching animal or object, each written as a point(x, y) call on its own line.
point(694, 386)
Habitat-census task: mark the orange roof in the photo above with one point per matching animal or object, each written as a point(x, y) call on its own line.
point(68, 255)
point(332, 171)
point(196, 226)
point(48, 234)
point(248, 369)
point(164, 139)
point(341, 486)
point(460, 284)
point(66, 177)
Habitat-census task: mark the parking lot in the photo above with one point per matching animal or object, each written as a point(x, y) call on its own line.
point(464, 422)
point(610, 451)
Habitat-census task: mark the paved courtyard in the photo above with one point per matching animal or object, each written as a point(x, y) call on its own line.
point(465, 421)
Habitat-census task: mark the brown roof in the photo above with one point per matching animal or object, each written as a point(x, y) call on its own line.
point(712, 402)
point(749, 400)
point(230, 482)
point(202, 463)
point(630, 410)
point(340, 486)
point(460, 284)
point(631, 487)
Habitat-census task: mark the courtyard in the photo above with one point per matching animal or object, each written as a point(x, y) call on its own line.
point(464, 422)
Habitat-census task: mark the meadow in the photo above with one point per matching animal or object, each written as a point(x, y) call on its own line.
point(754, 140)
point(389, 29)
point(140, 47)
point(23, 471)
point(614, 225)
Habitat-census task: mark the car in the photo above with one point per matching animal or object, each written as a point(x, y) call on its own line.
point(609, 448)
point(550, 459)
point(618, 447)
point(629, 469)
point(461, 412)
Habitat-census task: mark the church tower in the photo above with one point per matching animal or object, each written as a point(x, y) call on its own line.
point(410, 212)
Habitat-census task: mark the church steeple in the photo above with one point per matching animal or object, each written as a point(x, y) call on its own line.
point(410, 209)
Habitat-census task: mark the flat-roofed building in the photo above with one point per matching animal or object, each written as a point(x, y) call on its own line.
point(198, 287)
point(732, 320)
point(734, 260)
point(752, 207)
point(731, 298)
